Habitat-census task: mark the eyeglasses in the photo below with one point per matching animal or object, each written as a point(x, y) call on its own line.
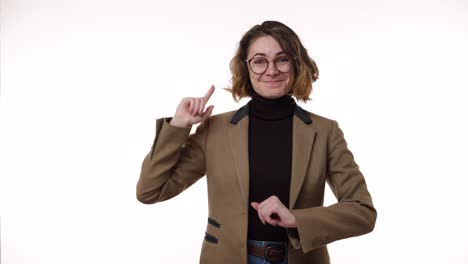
point(259, 65)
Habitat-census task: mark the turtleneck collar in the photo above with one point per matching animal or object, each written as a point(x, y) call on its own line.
point(271, 109)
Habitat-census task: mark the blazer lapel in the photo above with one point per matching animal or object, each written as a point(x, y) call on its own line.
point(302, 142)
point(237, 134)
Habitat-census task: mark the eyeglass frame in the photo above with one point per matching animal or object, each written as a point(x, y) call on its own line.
point(268, 64)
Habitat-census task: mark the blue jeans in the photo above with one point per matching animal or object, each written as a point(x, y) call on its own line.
point(258, 260)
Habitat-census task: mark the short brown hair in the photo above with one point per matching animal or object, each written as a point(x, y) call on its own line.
point(305, 69)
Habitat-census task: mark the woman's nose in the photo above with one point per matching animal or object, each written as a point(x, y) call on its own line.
point(271, 69)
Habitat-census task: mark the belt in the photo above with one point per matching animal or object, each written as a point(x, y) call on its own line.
point(272, 253)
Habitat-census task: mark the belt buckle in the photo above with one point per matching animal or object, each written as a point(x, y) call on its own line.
point(270, 249)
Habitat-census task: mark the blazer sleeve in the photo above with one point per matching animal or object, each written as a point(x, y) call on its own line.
point(176, 161)
point(353, 215)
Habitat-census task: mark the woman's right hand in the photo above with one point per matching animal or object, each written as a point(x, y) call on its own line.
point(191, 110)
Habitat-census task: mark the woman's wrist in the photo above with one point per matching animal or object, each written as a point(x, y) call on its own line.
point(178, 123)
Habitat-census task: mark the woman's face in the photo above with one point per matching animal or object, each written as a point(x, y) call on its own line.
point(272, 83)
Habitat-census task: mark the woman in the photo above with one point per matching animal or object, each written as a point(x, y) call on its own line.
point(266, 164)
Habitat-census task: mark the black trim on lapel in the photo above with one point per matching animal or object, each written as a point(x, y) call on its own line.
point(244, 111)
point(241, 113)
point(302, 114)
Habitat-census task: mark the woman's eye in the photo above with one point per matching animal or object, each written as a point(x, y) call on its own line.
point(283, 60)
point(259, 61)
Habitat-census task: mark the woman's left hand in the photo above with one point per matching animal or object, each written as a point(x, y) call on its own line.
point(273, 211)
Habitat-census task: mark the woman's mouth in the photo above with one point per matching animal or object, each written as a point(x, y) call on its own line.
point(274, 81)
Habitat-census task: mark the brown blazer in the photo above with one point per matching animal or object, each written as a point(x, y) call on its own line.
point(218, 149)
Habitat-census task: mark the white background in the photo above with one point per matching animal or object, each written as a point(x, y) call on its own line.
point(82, 83)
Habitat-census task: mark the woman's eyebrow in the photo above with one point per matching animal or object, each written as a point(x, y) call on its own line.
point(263, 54)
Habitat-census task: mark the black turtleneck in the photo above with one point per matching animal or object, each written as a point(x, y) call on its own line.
point(270, 155)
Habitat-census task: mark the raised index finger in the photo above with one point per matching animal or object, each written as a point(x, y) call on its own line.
point(208, 94)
